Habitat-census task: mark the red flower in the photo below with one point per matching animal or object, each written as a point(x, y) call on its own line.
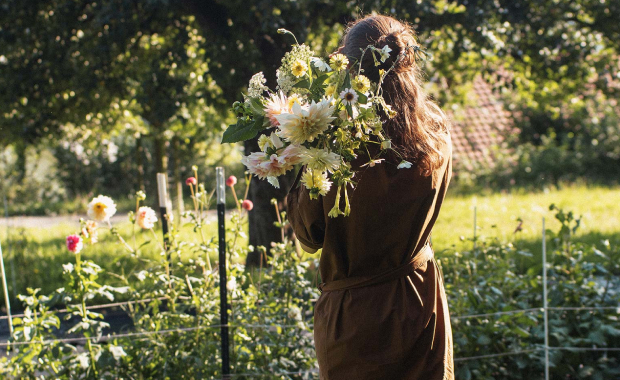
point(247, 204)
point(74, 243)
point(191, 181)
point(231, 181)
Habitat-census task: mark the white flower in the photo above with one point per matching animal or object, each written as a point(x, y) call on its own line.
point(272, 141)
point(385, 53)
point(275, 105)
point(83, 360)
point(271, 166)
point(305, 123)
point(67, 268)
point(117, 352)
point(320, 64)
point(264, 143)
point(146, 217)
point(320, 159)
point(404, 165)
point(348, 96)
point(316, 182)
point(101, 208)
point(257, 85)
point(274, 181)
point(285, 82)
point(231, 284)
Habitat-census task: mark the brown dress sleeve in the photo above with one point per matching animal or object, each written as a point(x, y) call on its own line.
point(306, 215)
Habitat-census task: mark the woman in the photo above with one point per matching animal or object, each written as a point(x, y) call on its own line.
point(382, 313)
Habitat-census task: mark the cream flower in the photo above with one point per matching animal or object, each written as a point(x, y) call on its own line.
point(348, 96)
point(320, 64)
point(404, 165)
point(146, 217)
point(320, 159)
point(361, 83)
point(316, 182)
point(257, 85)
point(275, 105)
point(299, 68)
point(339, 62)
point(305, 124)
point(330, 90)
point(385, 53)
point(101, 208)
point(274, 165)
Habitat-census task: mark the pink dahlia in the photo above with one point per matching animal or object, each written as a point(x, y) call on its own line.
point(276, 104)
point(74, 243)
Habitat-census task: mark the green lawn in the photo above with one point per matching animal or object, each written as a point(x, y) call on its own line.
point(34, 256)
point(497, 216)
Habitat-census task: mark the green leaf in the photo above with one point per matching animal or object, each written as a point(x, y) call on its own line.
point(361, 98)
point(243, 130)
point(318, 82)
point(302, 84)
point(257, 107)
point(347, 81)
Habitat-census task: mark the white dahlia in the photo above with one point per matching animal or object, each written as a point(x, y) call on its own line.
point(146, 217)
point(101, 208)
point(305, 123)
point(320, 159)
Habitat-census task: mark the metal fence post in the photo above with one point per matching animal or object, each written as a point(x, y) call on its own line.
point(475, 226)
point(221, 222)
point(6, 292)
point(162, 191)
point(544, 260)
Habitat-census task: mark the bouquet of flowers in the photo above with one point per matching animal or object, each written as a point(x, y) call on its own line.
point(323, 114)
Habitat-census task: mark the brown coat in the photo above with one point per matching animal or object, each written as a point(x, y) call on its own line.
point(381, 315)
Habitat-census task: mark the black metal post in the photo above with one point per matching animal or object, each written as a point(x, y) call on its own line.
point(162, 190)
point(221, 222)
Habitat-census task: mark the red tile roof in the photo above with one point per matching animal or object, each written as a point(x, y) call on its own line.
point(479, 126)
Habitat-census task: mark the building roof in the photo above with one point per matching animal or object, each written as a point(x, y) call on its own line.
point(479, 126)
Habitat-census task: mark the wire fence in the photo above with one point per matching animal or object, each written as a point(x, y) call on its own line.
point(140, 334)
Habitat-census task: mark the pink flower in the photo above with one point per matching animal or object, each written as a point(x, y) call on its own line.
point(247, 204)
point(231, 181)
point(277, 104)
point(146, 217)
point(274, 165)
point(74, 243)
point(191, 181)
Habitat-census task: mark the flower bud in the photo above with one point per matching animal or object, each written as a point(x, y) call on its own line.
point(140, 195)
point(191, 181)
point(247, 204)
point(231, 181)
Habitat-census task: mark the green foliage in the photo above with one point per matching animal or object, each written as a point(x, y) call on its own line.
point(488, 279)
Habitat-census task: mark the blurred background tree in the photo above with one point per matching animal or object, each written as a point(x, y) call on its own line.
point(123, 88)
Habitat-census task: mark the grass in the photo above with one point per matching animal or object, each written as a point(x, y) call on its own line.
point(34, 256)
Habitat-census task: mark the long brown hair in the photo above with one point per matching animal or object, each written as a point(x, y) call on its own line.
point(420, 127)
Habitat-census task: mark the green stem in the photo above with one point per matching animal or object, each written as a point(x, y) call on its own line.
point(82, 292)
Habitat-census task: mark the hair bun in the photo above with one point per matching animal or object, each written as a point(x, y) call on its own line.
point(397, 41)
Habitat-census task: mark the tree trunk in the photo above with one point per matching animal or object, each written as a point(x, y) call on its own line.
point(161, 159)
point(176, 174)
point(139, 163)
point(263, 215)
